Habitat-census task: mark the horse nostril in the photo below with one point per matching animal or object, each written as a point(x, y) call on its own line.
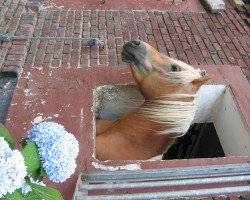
point(136, 42)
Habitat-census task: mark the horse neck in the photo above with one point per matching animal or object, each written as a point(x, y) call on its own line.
point(133, 137)
point(174, 112)
point(147, 131)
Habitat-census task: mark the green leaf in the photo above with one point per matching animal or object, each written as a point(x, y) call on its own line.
point(44, 192)
point(31, 157)
point(23, 142)
point(39, 174)
point(16, 195)
point(5, 133)
point(32, 196)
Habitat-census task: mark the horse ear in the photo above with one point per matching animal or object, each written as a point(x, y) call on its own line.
point(202, 80)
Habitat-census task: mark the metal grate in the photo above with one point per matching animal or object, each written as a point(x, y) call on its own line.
point(108, 185)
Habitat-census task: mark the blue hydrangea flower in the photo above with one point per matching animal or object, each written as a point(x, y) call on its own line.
point(12, 169)
point(57, 148)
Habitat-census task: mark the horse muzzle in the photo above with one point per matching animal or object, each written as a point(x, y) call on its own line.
point(133, 52)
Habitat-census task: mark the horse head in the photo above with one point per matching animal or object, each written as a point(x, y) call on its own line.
point(158, 74)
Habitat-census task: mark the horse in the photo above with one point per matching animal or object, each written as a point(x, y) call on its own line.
point(170, 89)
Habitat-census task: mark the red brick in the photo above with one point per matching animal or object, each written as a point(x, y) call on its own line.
point(103, 59)
point(66, 49)
point(226, 38)
point(205, 53)
point(239, 47)
point(212, 25)
point(236, 54)
point(217, 46)
point(247, 60)
point(209, 46)
point(191, 58)
point(161, 49)
point(229, 32)
point(93, 62)
point(169, 46)
point(94, 52)
point(111, 41)
point(15, 69)
point(19, 42)
point(18, 63)
point(65, 60)
point(47, 58)
point(167, 18)
point(225, 61)
point(239, 27)
point(229, 55)
point(50, 48)
point(198, 55)
point(248, 21)
point(201, 45)
point(246, 71)
point(29, 60)
point(184, 24)
point(208, 31)
point(241, 62)
point(55, 63)
point(75, 57)
point(75, 44)
point(18, 49)
point(172, 54)
point(216, 59)
point(13, 57)
point(209, 61)
point(221, 54)
point(39, 58)
point(190, 38)
point(185, 46)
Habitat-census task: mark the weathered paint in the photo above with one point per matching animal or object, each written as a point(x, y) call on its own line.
point(70, 91)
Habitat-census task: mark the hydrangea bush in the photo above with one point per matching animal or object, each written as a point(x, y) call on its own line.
point(12, 169)
point(49, 150)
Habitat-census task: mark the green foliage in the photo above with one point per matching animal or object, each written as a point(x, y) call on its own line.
point(39, 174)
point(34, 168)
point(16, 195)
point(5, 133)
point(31, 157)
point(41, 192)
point(23, 143)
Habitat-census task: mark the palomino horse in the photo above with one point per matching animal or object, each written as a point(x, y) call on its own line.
point(170, 89)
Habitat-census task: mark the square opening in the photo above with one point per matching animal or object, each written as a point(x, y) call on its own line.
point(218, 129)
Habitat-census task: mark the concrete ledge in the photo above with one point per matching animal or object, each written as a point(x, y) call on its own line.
point(66, 96)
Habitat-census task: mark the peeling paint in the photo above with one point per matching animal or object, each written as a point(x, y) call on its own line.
point(28, 75)
point(134, 166)
point(28, 93)
point(40, 118)
point(43, 102)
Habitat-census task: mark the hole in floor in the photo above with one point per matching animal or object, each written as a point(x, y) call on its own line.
point(201, 141)
point(8, 83)
point(218, 129)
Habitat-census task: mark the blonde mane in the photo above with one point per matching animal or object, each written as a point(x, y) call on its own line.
point(177, 115)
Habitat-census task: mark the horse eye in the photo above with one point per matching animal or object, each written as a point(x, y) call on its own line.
point(175, 68)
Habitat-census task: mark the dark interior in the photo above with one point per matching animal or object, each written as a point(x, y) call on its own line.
point(201, 141)
point(8, 83)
